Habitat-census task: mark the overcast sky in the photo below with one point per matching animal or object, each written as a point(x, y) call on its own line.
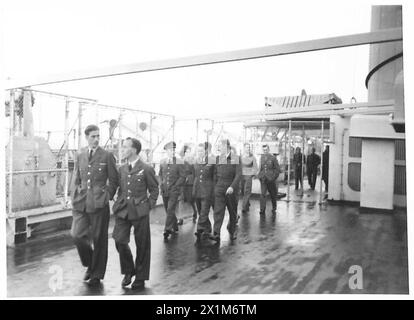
point(71, 35)
point(44, 37)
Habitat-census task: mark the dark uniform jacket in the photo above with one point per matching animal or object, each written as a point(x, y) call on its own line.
point(92, 191)
point(313, 161)
point(297, 160)
point(133, 200)
point(269, 167)
point(189, 173)
point(172, 176)
point(203, 186)
point(228, 171)
point(325, 169)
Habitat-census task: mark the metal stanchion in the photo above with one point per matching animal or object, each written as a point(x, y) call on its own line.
point(197, 132)
point(10, 213)
point(303, 156)
point(150, 138)
point(320, 182)
point(288, 175)
point(96, 114)
point(66, 188)
point(80, 125)
point(173, 128)
point(120, 136)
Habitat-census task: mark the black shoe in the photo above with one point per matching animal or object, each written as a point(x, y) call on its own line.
point(127, 280)
point(180, 222)
point(233, 235)
point(215, 237)
point(87, 275)
point(198, 235)
point(138, 284)
point(94, 282)
point(261, 212)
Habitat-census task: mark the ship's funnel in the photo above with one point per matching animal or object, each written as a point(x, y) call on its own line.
point(398, 121)
point(385, 59)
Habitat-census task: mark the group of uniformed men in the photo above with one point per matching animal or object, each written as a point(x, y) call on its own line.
point(215, 181)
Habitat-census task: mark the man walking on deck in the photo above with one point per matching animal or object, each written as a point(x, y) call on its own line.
point(249, 170)
point(268, 173)
point(137, 195)
point(203, 187)
point(312, 163)
point(227, 177)
point(172, 177)
point(298, 160)
point(96, 181)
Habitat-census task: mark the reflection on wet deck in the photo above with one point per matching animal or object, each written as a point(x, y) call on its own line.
point(305, 248)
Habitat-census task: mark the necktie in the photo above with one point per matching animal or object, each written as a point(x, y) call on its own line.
point(90, 154)
point(129, 167)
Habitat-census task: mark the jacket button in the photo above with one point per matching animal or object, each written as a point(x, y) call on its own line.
point(129, 176)
point(89, 173)
point(89, 180)
point(128, 183)
point(128, 198)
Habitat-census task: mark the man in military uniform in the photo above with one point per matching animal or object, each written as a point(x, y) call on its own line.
point(298, 159)
point(325, 168)
point(203, 187)
point(172, 177)
point(227, 176)
point(249, 170)
point(131, 208)
point(268, 173)
point(312, 163)
point(187, 191)
point(90, 202)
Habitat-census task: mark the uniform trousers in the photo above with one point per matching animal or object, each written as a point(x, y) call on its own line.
point(221, 202)
point(203, 207)
point(170, 205)
point(90, 234)
point(142, 236)
point(265, 186)
point(246, 189)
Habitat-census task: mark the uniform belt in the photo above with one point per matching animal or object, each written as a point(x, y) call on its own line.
point(133, 198)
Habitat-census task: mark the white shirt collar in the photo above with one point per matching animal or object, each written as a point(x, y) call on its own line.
point(133, 162)
point(93, 149)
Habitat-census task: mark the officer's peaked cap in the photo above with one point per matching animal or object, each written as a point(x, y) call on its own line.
point(170, 145)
